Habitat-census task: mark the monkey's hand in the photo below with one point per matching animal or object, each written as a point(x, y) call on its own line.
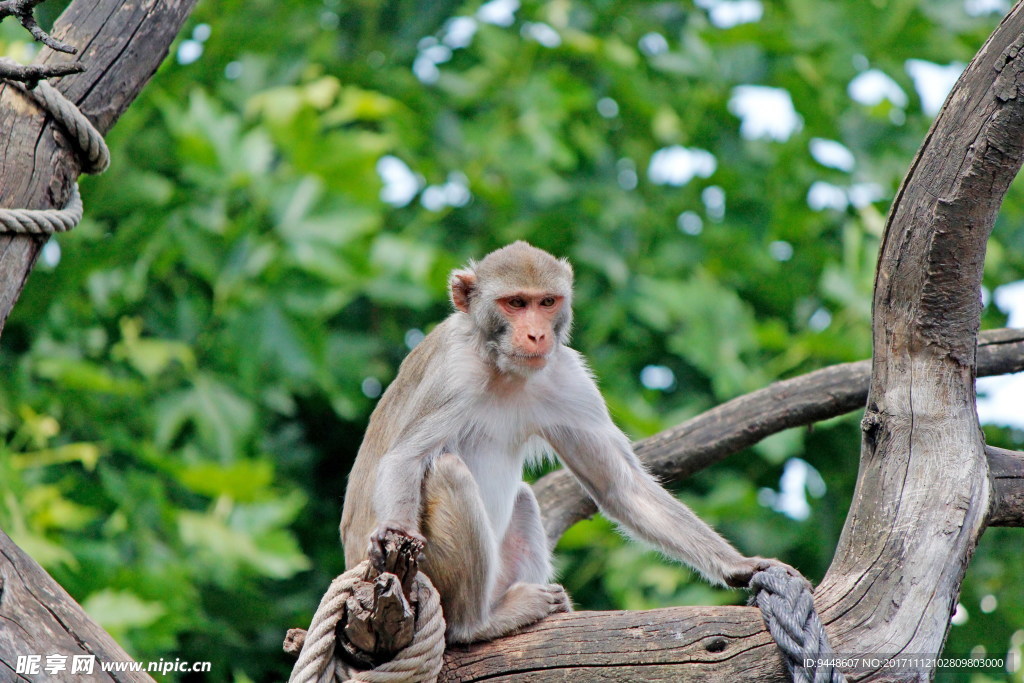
point(744, 571)
point(378, 539)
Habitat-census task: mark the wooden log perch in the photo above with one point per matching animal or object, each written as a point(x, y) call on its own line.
point(724, 644)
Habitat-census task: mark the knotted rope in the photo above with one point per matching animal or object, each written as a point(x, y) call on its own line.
point(93, 156)
point(787, 608)
point(418, 662)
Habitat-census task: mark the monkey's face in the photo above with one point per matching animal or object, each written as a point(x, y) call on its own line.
point(520, 301)
point(528, 333)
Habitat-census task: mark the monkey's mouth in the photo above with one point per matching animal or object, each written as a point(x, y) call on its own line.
point(532, 360)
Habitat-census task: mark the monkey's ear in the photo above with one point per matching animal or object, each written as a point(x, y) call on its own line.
point(568, 267)
point(463, 284)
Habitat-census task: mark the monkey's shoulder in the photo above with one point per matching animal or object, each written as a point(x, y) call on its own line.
point(428, 357)
point(424, 379)
point(572, 366)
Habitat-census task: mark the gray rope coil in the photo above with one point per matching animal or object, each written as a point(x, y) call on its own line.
point(93, 156)
point(419, 662)
point(787, 608)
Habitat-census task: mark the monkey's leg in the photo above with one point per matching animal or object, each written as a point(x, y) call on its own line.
point(524, 550)
point(461, 558)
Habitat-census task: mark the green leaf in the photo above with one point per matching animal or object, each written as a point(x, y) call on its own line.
point(244, 481)
point(274, 554)
point(222, 419)
point(118, 611)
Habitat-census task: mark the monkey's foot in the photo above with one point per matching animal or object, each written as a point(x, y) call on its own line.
point(558, 599)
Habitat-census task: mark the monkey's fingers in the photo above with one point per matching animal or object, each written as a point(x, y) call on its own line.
point(379, 539)
point(763, 563)
point(558, 599)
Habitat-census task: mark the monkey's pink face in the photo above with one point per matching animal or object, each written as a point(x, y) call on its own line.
point(531, 316)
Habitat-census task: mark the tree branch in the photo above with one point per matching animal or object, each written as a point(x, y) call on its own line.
point(31, 74)
point(710, 437)
point(23, 10)
point(1006, 474)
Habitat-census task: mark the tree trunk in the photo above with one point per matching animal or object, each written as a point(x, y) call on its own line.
point(121, 44)
point(923, 494)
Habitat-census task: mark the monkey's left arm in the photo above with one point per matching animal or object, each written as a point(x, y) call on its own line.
point(615, 479)
point(601, 457)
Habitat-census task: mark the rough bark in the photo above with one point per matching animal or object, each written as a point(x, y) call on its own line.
point(674, 644)
point(38, 617)
point(121, 44)
point(1006, 477)
point(681, 451)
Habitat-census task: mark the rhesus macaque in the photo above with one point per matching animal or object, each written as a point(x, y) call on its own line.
point(442, 460)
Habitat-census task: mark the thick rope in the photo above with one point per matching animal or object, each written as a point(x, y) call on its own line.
point(787, 608)
point(43, 221)
point(92, 154)
point(419, 662)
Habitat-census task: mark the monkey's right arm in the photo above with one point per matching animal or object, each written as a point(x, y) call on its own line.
point(408, 430)
point(397, 492)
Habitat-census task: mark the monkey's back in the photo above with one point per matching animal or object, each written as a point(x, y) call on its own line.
point(404, 403)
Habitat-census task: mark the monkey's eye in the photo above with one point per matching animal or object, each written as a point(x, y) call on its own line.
point(517, 302)
point(547, 302)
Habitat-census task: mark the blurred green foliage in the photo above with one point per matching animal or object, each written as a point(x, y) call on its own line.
point(185, 391)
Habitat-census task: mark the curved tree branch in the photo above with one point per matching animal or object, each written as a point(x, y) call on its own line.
point(1006, 475)
point(710, 437)
point(923, 490)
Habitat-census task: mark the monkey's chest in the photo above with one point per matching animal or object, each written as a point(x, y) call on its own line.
point(497, 467)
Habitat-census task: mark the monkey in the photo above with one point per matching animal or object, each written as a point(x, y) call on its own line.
point(442, 460)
